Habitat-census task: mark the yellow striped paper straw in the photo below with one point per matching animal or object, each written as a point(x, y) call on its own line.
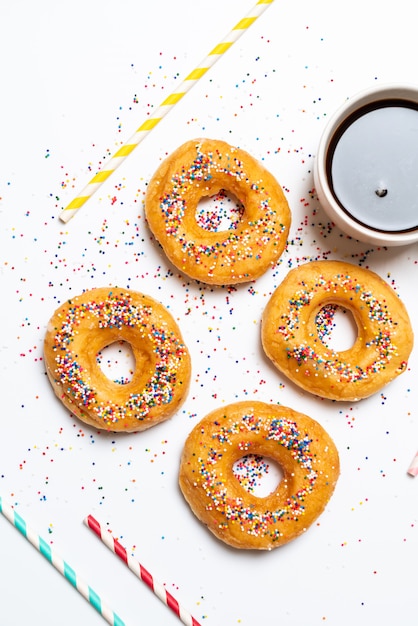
point(151, 122)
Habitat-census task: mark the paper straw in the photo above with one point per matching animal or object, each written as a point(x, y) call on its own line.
point(62, 566)
point(413, 468)
point(151, 122)
point(140, 571)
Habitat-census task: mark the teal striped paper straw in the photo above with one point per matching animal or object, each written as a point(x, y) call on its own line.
point(62, 566)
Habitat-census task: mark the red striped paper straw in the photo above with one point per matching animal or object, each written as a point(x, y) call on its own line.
point(140, 571)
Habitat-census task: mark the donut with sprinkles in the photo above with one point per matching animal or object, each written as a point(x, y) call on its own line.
point(203, 168)
point(301, 447)
point(86, 324)
point(294, 338)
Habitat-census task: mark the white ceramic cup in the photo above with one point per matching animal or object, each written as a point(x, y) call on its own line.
point(368, 100)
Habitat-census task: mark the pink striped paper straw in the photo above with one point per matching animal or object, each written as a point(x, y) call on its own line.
point(140, 571)
point(60, 565)
point(413, 468)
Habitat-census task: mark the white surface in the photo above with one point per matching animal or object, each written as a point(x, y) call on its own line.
point(77, 79)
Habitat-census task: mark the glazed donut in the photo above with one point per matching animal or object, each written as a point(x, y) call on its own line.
point(291, 334)
point(85, 325)
point(301, 447)
point(202, 168)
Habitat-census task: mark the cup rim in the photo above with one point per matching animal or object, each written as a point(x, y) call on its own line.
point(323, 189)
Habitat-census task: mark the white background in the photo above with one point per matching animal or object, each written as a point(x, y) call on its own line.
point(77, 78)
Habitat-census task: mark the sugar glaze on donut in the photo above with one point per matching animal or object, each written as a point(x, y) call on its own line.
point(202, 168)
point(298, 444)
point(85, 325)
point(293, 341)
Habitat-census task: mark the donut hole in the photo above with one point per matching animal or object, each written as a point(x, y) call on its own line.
point(117, 362)
point(219, 212)
point(257, 474)
point(337, 328)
